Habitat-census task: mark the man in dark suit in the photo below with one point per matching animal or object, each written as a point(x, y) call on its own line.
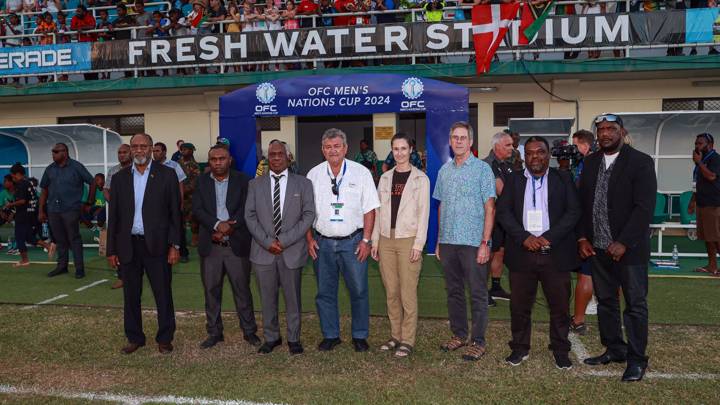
point(279, 211)
point(538, 210)
point(224, 244)
point(617, 192)
point(143, 237)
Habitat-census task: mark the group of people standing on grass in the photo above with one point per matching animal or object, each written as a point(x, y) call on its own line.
point(271, 224)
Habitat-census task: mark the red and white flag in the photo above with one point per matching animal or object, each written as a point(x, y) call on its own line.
point(490, 23)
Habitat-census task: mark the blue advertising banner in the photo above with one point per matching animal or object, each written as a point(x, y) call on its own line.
point(443, 104)
point(72, 57)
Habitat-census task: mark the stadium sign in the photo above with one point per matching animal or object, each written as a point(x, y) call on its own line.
point(372, 41)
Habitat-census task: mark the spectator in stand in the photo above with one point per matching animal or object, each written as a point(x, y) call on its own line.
point(291, 23)
point(46, 26)
point(30, 6)
point(26, 223)
point(434, 10)
point(366, 6)
point(123, 20)
point(160, 25)
point(13, 27)
point(216, 13)
point(103, 22)
point(13, 6)
point(248, 18)
point(184, 6)
point(82, 21)
point(62, 184)
point(52, 6)
point(326, 8)
point(196, 18)
point(589, 8)
point(307, 8)
point(142, 17)
point(345, 6)
point(385, 5)
point(178, 26)
point(235, 18)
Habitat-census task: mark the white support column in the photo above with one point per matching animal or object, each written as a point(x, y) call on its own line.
point(383, 124)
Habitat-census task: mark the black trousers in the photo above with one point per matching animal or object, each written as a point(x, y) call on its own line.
point(66, 233)
point(215, 266)
point(556, 287)
point(607, 277)
point(160, 277)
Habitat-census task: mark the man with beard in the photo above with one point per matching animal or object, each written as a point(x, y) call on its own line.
point(143, 238)
point(706, 198)
point(617, 192)
point(125, 160)
point(539, 209)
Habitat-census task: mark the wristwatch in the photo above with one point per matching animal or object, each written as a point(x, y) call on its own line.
point(177, 247)
point(366, 241)
point(486, 242)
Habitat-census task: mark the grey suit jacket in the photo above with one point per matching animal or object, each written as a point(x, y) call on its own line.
point(298, 214)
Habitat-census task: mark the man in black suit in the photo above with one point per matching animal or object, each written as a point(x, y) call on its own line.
point(224, 244)
point(617, 193)
point(539, 210)
point(144, 237)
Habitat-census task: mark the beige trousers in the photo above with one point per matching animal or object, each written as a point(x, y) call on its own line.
point(400, 278)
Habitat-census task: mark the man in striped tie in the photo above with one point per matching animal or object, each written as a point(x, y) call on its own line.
point(219, 207)
point(279, 211)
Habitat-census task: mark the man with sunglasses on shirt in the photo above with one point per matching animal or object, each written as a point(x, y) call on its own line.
point(617, 193)
point(706, 198)
point(345, 202)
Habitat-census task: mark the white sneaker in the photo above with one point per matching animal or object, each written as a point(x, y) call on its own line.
point(592, 307)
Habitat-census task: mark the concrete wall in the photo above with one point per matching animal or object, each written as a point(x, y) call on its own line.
point(194, 117)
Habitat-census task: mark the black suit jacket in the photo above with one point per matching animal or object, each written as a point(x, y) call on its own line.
point(631, 201)
point(564, 213)
point(160, 212)
point(205, 212)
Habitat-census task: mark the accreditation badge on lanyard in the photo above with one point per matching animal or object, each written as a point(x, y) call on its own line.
point(337, 206)
point(535, 215)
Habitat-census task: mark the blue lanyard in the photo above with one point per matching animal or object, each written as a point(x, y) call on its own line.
point(337, 183)
point(695, 170)
point(535, 189)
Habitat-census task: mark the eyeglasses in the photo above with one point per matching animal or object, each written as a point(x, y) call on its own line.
point(609, 118)
point(140, 146)
point(334, 188)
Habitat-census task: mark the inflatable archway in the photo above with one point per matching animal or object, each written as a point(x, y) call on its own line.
point(443, 103)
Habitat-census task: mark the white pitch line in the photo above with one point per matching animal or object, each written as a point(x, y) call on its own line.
point(125, 399)
point(652, 374)
point(578, 348)
point(85, 287)
point(61, 296)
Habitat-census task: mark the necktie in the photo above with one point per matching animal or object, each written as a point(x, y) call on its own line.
point(277, 220)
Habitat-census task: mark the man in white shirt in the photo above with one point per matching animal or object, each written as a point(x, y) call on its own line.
point(345, 202)
point(160, 156)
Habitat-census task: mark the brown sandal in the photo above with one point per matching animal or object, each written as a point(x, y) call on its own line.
point(473, 352)
point(403, 350)
point(389, 345)
point(453, 344)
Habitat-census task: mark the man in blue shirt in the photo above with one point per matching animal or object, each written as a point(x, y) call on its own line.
point(62, 190)
point(465, 188)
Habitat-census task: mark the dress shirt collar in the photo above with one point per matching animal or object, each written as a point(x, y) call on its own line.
point(225, 180)
point(135, 170)
point(530, 176)
point(284, 173)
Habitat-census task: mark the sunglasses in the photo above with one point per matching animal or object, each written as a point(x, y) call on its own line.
point(609, 118)
point(334, 188)
point(709, 138)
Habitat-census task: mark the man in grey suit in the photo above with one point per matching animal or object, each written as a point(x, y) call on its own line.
point(219, 207)
point(279, 211)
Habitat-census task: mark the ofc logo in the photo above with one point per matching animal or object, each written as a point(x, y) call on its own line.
point(412, 88)
point(265, 94)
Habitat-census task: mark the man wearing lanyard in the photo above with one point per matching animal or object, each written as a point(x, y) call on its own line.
point(539, 209)
point(706, 198)
point(345, 202)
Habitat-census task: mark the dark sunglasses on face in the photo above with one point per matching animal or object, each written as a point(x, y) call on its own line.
point(609, 118)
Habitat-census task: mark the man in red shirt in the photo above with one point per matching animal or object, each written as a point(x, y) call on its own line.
point(307, 7)
point(83, 21)
point(345, 6)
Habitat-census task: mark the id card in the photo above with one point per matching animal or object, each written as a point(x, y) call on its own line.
point(337, 212)
point(535, 221)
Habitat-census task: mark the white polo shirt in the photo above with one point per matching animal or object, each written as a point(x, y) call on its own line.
point(357, 194)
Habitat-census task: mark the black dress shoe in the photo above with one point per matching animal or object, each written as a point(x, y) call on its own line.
point(633, 373)
point(295, 348)
point(360, 345)
point(131, 348)
point(268, 347)
point(604, 358)
point(328, 344)
point(79, 274)
point(211, 341)
point(253, 339)
point(57, 272)
point(165, 348)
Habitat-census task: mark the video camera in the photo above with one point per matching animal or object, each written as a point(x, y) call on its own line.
point(563, 150)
